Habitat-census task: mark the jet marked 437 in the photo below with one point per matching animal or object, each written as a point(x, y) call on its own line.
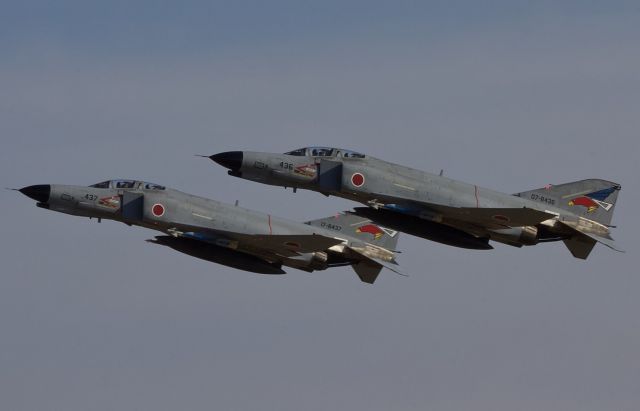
point(222, 233)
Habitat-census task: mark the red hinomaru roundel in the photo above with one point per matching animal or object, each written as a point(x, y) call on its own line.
point(157, 210)
point(357, 179)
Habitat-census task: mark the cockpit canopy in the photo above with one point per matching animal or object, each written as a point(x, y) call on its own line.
point(325, 152)
point(140, 185)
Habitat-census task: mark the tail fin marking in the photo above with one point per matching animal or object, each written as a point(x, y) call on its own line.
point(592, 199)
point(377, 247)
point(361, 228)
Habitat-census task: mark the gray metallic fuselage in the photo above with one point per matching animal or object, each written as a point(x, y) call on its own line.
point(382, 179)
point(203, 227)
point(415, 201)
point(182, 211)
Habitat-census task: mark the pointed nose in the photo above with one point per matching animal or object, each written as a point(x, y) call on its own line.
point(40, 192)
point(229, 159)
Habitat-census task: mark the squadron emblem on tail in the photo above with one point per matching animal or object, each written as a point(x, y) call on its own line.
point(594, 200)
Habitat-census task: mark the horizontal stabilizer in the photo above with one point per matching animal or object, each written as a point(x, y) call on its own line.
point(367, 272)
point(602, 240)
point(368, 268)
point(580, 245)
point(606, 241)
point(391, 266)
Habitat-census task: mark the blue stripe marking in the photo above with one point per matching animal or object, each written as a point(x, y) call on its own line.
point(602, 194)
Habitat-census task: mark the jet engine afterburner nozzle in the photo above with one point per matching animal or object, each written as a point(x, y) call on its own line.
point(40, 192)
point(229, 159)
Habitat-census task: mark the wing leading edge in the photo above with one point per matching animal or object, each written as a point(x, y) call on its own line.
point(289, 245)
point(496, 217)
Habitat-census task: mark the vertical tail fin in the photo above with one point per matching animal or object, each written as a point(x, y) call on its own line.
point(361, 228)
point(592, 199)
point(368, 260)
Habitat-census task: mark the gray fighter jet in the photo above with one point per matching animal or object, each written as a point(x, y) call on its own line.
point(227, 234)
point(436, 207)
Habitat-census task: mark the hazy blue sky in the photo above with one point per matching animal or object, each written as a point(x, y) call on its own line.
point(510, 95)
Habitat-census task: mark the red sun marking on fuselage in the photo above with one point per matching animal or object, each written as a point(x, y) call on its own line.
point(357, 179)
point(157, 210)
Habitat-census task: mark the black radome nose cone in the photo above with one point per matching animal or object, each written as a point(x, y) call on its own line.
point(39, 192)
point(229, 159)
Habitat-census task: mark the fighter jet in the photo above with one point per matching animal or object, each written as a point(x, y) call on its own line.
point(228, 234)
point(438, 208)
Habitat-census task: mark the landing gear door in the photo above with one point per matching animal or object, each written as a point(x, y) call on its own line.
point(330, 176)
point(132, 206)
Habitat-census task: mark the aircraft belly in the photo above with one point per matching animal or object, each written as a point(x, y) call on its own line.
point(458, 235)
point(221, 255)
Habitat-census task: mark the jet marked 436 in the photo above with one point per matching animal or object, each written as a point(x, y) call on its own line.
point(441, 209)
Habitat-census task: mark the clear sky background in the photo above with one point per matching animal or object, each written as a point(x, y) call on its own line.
point(509, 95)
